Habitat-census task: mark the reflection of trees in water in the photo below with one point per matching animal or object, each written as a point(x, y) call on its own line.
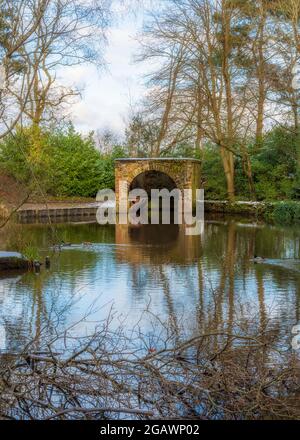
point(230, 268)
point(42, 300)
point(214, 317)
point(14, 320)
point(170, 304)
point(30, 314)
point(39, 313)
point(213, 272)
point(222, 306)
point(41, 235)
point(236, 263)
point(46, 299)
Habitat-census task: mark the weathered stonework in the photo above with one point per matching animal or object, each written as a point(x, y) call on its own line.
point(186, 173)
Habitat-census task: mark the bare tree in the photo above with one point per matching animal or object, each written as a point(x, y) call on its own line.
point(106, 140)
point(287, 47)
point(206, 95)
point(19, 22)
point(70, 32)
point(220, 74)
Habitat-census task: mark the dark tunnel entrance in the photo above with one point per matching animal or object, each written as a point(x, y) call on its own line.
point(153, 179)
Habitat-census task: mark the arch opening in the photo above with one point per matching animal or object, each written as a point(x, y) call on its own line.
point(157, 173)
point(152, 179)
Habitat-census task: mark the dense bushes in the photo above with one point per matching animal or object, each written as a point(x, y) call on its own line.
point(275, 166)
point(287, 212)
point(67, 164)
point(63, 163)
point(213, 175)
point(275, 169)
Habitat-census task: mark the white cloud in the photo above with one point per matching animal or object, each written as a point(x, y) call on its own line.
point(107, 94)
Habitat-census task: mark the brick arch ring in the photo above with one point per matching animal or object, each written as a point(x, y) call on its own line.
point(142, 170)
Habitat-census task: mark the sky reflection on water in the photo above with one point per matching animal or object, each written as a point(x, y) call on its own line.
point(193, 282)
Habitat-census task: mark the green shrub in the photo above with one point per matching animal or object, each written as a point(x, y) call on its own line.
point(14, 153)
point(213, 175)
point(286, 212)
point(63, 163)
point(108, 168)
point(275, 168)
point(275, 165)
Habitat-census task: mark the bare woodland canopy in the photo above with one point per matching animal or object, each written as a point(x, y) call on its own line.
point(225, 75)
point(38, 37)
point(222, 70)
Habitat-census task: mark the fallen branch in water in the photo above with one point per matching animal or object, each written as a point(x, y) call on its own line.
point(108, 374)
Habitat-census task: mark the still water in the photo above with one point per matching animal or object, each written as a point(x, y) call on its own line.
point(194, 282)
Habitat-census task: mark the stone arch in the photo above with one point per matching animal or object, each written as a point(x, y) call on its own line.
point(186, 173)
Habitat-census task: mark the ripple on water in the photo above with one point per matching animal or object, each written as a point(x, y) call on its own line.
point(195, 281)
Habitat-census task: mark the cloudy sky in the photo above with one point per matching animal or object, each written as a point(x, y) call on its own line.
point(108, 94)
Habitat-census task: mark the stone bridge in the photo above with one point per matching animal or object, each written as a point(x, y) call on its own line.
point(159, 173)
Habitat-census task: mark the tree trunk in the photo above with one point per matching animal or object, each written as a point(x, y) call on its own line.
point(228, 164)
point(227, 156)
point(261, 76)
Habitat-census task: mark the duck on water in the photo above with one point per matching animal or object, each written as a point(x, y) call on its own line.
point(258, 260)
point(290, 264)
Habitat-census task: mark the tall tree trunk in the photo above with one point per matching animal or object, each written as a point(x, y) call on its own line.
point(260, 114)
point(227, 156)
point(199, 133)
point(247, 168)
point(228, 164)
point(261, 75)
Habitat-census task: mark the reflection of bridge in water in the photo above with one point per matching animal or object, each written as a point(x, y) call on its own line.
point(174, 244)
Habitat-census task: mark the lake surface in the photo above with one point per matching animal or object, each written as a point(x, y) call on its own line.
point(192, 282)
